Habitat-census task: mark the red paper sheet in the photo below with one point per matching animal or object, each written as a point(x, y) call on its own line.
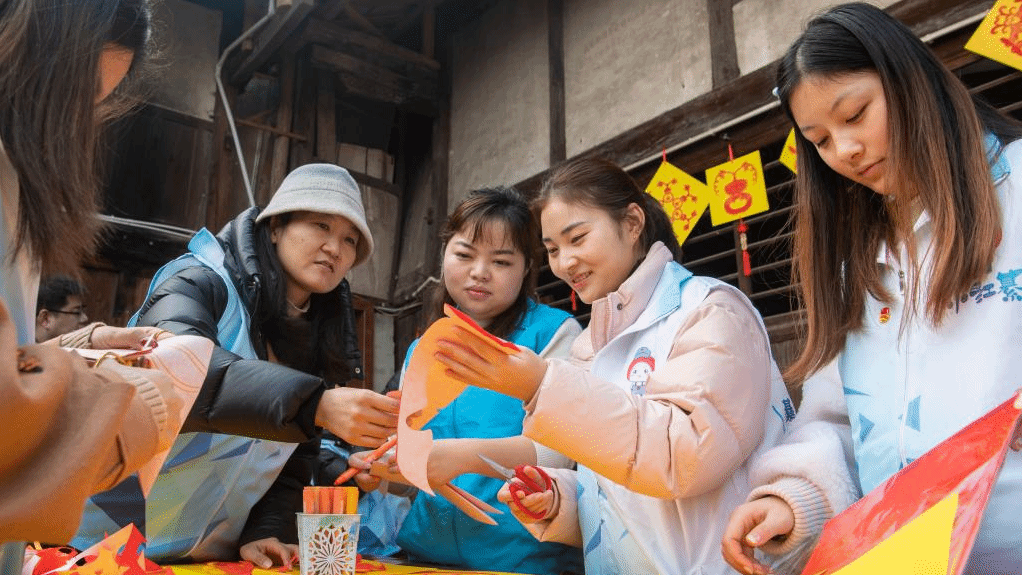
point(965, 464)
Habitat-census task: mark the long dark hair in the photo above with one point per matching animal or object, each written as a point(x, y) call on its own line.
point(935, 141)
point(315, 342)
point(49, 119)
point(604, 185)
point(481, 208)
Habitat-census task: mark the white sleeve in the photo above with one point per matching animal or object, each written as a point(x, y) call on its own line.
point(559, 345)
point(813, 469)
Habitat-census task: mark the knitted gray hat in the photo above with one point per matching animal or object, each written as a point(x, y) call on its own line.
point(327, 189)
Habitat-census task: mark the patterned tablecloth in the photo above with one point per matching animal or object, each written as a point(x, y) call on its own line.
point(366, 566)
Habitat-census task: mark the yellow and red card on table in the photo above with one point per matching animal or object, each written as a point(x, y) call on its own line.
point(924, 519)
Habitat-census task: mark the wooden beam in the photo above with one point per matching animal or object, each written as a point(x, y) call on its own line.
point(267, 41)
point(440, 146)
point(374, 82)
point(282, 145)
point(400, 180)
point(326, 110)
point(723, 50)
point(374, 182)
point(378, 50)
point(428, 31)
point(555, 50)
point(305, 117)
point(225, 165)
point(694, 117)
point(270, 129)
point(360, 20)
point(925, 16)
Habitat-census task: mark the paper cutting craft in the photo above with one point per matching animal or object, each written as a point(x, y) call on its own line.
point(468, 504)
point(924, 519)
point(427, 390)
point(789, 153)
point(999, 36)
point(738, 189)
point(118, 554)
point(683, 197)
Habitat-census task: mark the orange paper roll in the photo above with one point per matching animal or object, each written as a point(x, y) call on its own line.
point(326, 504)
point(337, 498)
point(309, 500)
point(351, 500)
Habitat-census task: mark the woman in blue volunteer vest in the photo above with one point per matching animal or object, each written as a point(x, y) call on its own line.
point(270, 290)
point(488, 272)
point(908, 256)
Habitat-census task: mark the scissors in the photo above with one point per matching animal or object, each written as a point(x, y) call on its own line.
point(526, 486)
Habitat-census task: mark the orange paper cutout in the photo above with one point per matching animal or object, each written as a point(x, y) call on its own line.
point(427, 390)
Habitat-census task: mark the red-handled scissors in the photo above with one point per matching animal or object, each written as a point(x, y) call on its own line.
point(527, 486)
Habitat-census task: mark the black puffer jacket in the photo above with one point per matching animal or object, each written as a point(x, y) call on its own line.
point(253, 398)
point(247, 397)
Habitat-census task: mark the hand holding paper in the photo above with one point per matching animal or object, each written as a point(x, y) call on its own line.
point(470, 362)
point(361, 417)
point(428, 387)
point(925, 518)
point(177, 365)
point(110, 337)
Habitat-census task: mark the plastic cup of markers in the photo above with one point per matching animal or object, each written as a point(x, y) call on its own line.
point(327, 543)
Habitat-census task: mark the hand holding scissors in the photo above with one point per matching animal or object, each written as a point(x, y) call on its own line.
point(521, 484)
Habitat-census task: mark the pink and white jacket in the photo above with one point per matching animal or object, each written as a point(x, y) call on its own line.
point(668, 393)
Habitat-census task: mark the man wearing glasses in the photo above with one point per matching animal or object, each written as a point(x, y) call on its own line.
point(60, 308)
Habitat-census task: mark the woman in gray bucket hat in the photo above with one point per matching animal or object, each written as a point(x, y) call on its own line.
point(270, 290)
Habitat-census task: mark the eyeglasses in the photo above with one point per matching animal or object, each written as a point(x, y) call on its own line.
point(80, 311)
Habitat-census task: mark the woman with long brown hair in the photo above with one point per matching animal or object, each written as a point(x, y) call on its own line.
point(907, 255)
point(68, 430)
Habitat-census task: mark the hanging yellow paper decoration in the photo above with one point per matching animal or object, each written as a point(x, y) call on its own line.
point(738, 189)
point(684, 198)
point(788, 153)
point(999, 36)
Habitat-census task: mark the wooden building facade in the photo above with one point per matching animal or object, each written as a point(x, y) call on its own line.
point(424, 100)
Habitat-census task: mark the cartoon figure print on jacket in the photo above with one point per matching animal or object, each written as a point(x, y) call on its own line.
point(629, 343)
